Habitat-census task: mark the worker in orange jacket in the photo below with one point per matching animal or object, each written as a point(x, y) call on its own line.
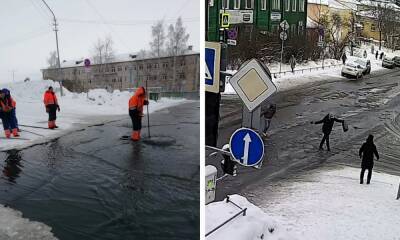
point(136, 103)
point(51, 104)
point(7, 106)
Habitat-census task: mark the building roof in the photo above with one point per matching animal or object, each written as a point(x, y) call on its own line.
point(125, 57)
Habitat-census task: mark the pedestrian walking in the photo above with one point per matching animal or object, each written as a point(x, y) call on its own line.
point(292, 62)
point(7, 104)
point(51, 104)
point(365, 54)
point(268, 115)
point(381, 56)
point(367, 152)
point(327, 124)
point(376, 55)
point(136, 103)
point(372, 49)
point(344, 58)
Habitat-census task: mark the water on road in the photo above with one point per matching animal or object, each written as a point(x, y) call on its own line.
point(92, 185)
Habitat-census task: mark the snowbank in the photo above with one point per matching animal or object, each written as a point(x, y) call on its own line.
point(13, 227)
point(254, 225)
point(333, 205)
point(77, 109)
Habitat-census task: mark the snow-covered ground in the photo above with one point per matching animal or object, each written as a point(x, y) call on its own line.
point(254, 225)
point(327, 204)
point(77, 110)
point(14, 227)
point(289, 80)
point(333, 205)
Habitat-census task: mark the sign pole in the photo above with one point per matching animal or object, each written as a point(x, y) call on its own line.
point(148, 114)
point(280, 64)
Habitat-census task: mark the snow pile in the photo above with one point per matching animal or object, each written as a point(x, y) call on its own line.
point(77, 109)
point(13, 227)
point(334, 205)
point(254, 225)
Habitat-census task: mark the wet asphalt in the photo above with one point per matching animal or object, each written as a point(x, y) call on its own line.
point(370, 106)
point(90, 184)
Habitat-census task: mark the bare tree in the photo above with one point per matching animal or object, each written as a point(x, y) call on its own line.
point(52, 60)
point(385, 15)
point(177, 38)
point(103, 51)
point(158, 39)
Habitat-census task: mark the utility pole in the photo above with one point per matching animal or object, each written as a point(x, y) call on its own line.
point(58, 51)
point(13, 74)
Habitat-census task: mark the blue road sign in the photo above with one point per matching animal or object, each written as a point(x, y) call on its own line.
point(212, 58)
point(247, 147)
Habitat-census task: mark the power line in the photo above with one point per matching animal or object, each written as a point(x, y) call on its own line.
point(28, 36)
point(125, 23)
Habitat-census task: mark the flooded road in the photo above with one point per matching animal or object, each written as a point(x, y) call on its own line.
point(370, 106)
point(92, 185)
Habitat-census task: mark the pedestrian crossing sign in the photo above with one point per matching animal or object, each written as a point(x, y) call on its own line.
point(225, 20)
point(212, 66)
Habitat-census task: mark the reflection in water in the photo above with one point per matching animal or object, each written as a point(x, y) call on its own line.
point(13, 165)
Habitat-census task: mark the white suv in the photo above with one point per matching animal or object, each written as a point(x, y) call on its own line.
point(352, 69)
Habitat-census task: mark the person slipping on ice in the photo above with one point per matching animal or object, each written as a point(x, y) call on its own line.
point(367, 152)
point(51, 104)
point(327, 125)
point(268, 115)
point(136, 103)
point(13, 111)
point(7, 105)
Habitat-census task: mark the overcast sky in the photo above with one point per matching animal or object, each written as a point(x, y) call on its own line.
point(27, 38)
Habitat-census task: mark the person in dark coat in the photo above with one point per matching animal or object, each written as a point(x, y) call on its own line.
point(367, 152)
point(376, 55)
point(268, 114)
point(327, 124)
point(344, 58)
point(381, 55)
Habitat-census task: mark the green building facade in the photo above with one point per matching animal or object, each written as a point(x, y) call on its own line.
point(264, 15)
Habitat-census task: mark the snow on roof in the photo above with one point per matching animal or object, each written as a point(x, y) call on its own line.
point(125, 57)
point(319, 2)
point(311, 23)
point(343, 5)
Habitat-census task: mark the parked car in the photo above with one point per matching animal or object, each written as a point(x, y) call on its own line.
point(396, 61)
point(388, 63)
point(352, 69)
point(365, 64)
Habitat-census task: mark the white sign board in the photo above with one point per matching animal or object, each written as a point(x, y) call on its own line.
point(211, 183)
point(239, 16)
point(276, 16)
point(231, 42)
point(284, 25)
point(283, 36)
point(253, 84)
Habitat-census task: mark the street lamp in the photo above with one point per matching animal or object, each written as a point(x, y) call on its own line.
point(58, 51)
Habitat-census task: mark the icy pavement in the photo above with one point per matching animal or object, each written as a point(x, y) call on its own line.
point(13, 226)
point(333, 204)
point(254, 225)
point(77, 109)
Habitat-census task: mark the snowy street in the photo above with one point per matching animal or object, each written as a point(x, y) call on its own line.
point(297, 181)
point(78, 110)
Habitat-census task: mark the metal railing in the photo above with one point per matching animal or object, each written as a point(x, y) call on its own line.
point(242, 212)
point(277, 74)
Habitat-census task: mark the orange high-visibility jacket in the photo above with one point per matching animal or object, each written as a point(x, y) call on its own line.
point(50, 98)
point(7, 104)
point(138, 100)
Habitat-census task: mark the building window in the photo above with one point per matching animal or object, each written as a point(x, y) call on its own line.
point(249, 4)
point(263, 4)
point(236, 4)
point(183, 63)
point(119, 69)
point(300, 28)
point(294, 5)
point(301, 5)
point(165, 65)
point(225, 4)
point(164, 77)
point(373, 27)
point(276, 4)
point(140, 67)
point(149, 66)
point(156, 65)
point(181, 75)
point(126, 68)
point(293, 29)
point(287, 5)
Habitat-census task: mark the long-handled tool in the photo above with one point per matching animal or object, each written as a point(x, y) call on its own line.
point(148, 114)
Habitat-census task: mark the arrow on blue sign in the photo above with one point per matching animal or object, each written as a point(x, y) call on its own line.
point(247, 147)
